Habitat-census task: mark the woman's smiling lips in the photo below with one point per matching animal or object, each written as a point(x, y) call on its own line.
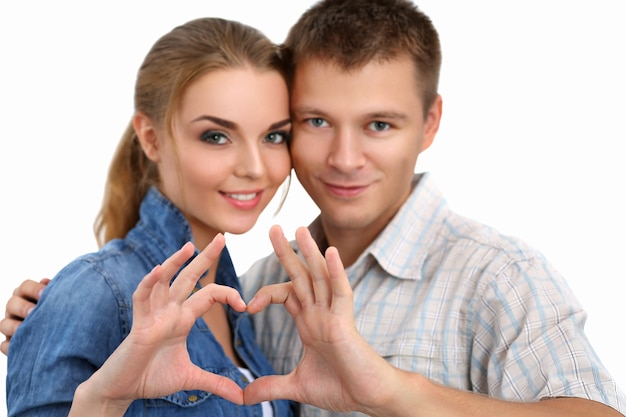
point(244, 200)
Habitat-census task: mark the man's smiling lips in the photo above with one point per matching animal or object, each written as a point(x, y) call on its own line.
point(345, 190)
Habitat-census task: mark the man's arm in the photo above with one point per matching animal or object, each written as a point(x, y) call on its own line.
point(340, 371)
point(430, 399)
point(18, 307)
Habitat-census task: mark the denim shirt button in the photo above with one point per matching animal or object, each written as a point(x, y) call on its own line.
point(192, 398)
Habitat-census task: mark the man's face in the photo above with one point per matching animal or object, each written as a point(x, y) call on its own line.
point(356, 138)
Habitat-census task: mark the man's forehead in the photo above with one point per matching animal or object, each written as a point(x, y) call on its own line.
point(400, 66)
point(354, 97)
point(323, 77)
point(336, 65)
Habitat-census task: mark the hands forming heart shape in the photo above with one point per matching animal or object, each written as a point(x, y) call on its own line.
point(153, 360)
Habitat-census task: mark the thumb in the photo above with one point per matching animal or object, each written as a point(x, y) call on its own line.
point(268, 388)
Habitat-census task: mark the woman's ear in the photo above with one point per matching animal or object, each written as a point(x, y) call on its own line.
point(147, 135)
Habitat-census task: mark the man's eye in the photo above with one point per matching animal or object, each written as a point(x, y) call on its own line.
point(214, 137)
point(379, 126)
point(317, 122)
point(278, 137)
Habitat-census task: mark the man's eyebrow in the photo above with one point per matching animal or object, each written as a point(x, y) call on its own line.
point(372, 115)
point(309, 110)
point(386, 115)
point(222, 122)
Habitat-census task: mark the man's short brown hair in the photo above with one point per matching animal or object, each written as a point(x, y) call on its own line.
point(352, 33)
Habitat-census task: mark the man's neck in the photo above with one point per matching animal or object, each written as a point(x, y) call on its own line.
point(350, 243)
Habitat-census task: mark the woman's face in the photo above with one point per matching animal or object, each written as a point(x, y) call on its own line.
point(229, 153)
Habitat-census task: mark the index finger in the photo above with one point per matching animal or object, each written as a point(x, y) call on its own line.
point(297, 271)
point(189, 276)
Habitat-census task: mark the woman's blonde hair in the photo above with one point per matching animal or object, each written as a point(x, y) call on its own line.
point(174, 61)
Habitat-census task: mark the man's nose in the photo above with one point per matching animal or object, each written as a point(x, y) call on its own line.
point(346, 153)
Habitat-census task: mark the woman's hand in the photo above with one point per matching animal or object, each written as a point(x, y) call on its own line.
point(153, 360)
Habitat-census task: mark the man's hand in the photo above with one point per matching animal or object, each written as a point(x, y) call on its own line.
point(18, 307)
point(338, 371)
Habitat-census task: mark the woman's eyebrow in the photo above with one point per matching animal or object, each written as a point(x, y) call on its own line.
point(280, 124)
point(232, 125)
point(222, 122)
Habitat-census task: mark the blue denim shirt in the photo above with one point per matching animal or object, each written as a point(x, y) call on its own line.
point(86, 312)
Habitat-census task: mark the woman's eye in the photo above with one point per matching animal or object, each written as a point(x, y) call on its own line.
point(379, 126)
point(317, 122)
point(278, 137)
point(214, 137)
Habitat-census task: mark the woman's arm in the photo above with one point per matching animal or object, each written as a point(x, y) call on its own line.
point(153, 360)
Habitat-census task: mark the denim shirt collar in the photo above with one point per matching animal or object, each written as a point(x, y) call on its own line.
point(166, 228)
point(162, 224)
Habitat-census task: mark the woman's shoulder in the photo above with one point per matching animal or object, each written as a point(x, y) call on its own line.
point(116, 268)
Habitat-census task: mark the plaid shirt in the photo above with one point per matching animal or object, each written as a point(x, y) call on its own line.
point(458, 302)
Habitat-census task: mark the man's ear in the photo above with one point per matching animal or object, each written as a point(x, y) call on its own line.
point(431, 123)
point(147, 135)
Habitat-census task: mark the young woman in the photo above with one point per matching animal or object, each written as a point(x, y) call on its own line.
point(204, 154)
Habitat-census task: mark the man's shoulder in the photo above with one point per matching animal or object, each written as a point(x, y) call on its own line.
point(472, 235)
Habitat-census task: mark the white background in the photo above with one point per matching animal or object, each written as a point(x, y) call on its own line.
point(531, 141)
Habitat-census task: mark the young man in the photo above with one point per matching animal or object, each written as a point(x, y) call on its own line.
point(468, 322)
point(438, 315)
